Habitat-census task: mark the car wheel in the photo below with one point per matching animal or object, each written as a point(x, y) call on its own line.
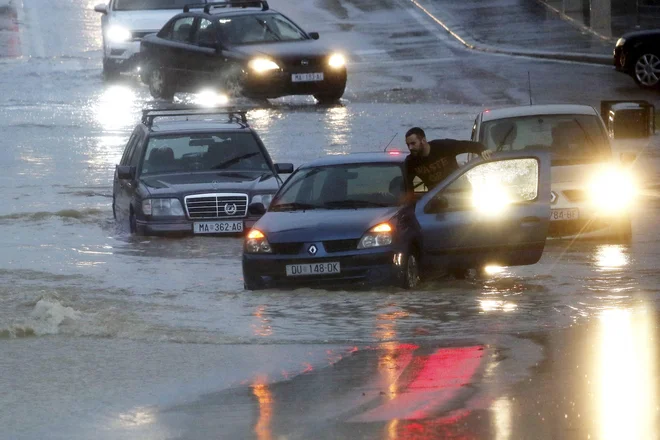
point(110, 70)
point(330, 97)
point(646, 70)
point(132, 221)
point(251, 284)
point(160, 86)
point(411, 278)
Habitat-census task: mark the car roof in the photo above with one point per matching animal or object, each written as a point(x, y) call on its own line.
point(396, 157)
point(239, 11)
point(180, 126)
point(533, 110)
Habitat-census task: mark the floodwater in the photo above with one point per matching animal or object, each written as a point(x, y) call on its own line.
point(105, 335)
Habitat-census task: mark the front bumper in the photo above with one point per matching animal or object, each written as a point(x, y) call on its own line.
point(122, 56)
point(358, 268)
point(186, 227)
point(277, 84)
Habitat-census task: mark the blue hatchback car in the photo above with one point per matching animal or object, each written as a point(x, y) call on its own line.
point(356, 219)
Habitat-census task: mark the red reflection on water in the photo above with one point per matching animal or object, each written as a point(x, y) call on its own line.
point(435, 388)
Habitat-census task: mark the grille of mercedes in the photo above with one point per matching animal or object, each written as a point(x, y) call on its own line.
point(204, 206)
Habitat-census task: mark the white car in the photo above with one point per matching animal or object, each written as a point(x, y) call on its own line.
point(592, 191)
point(125, 22)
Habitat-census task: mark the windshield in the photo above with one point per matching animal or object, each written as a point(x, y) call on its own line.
point(258, 28)
point(572, 139)
point(203, 152)
point(351, 186)
point(136, 5)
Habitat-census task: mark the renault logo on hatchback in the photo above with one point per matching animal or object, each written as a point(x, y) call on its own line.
point(312, 250)
point(553, 197)
point(304, 62)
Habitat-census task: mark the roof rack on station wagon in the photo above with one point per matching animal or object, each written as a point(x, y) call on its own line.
point(238, 115)
point(228, 3)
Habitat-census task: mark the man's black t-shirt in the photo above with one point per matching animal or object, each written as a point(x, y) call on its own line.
point(441, 161)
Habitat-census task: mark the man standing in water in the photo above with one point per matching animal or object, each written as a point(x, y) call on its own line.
point(432, 161)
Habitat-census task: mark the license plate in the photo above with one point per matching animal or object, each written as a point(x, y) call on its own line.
point(294, 270)
point(228, 227)
point(564, 214)
point(306, 77)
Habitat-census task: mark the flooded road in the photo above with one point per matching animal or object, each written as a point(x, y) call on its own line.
point(104, 335)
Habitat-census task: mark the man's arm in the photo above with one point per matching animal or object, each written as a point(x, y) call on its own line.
point(454, 147)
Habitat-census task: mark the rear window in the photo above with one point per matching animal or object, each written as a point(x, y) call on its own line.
point(571, 139)
point(203, 152)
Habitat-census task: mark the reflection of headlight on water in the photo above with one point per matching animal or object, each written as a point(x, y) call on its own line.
point(490, 198)
point(612, 190)
point(210, 98)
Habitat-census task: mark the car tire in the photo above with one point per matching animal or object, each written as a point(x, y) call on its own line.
point(330, 97)
point(160, 85)
point(110, 70)
point(251, 284)
point(132, 222)
point(410, 277)
point(646, 69)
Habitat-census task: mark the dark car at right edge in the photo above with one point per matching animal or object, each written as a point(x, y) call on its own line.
point(638, 55)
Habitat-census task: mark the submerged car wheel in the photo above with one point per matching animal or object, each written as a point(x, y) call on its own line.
point(110, 70)
point(646, 70)
point(159, 85)
point(411, 277)
point(132, 221)
point(331, 96)
point(114, 208)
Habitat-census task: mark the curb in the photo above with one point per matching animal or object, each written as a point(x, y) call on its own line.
point(576, 23)
point(474, 45)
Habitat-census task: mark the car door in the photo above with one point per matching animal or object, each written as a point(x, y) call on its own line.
point(205, 61)
point(488, 213)
point(118, 193)
point(175, 50)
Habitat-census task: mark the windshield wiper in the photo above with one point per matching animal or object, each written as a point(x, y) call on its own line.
point(234, 160)
point(294, 206)
point(350, 203)
point(270, 31)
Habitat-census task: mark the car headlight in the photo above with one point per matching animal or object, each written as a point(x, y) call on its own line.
point(256, 243)
point(264, 199)
point(379, 235)
point(612, 190)
point(162, 207)
point(490, 198)
point(620, 42)
point(260, 65)
point(336, 61)
point(118, 34)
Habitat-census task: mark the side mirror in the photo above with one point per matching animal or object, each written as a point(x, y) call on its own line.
point(257, 208)
point(437, 204)
point(102, 8)
point(314, 35)
point(628, 158)
point(125, 172)
point(284, 168)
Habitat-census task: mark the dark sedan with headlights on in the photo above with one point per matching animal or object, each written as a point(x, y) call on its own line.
point(353, 219)
point(638, 54)
point(192, 171)
point(236, 48)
